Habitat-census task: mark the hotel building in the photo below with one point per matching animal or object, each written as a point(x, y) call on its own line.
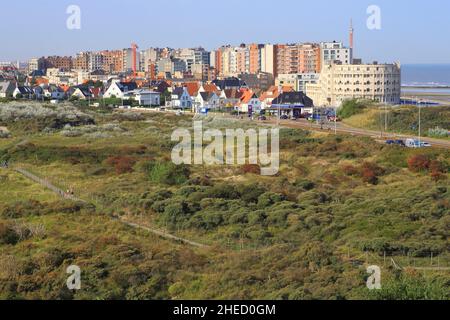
point(338, 82)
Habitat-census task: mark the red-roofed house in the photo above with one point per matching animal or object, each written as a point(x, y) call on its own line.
point(210, 87)
point(250, 102)
point(192, 88)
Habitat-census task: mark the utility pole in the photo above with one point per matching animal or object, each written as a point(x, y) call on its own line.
point(335, 122)
point(386, 118)
point(381, 123)
point(420, 124)
point(280, 92)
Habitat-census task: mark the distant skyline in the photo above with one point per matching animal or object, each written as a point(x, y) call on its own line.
point(412, 31)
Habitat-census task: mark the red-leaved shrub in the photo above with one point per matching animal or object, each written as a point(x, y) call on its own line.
point(122, 164)
point(251, 168)
point(438, 170)
point(370, 172)
point(419, 163)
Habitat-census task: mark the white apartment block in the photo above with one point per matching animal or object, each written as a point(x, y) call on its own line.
point(59, 77)
point(337, 83)
point(95, 61)
point(335, 51)
point(35, 64)
point(297, 81)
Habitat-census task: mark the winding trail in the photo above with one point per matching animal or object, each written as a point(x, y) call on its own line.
point(48, 185)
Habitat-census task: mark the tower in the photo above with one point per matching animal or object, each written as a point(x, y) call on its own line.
point(134, 47)
point(352, 31)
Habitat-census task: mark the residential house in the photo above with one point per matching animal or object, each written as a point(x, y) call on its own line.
point(80, 92)
point(206, 100)
point(181, 99)
point(261, 80)
point(144, 97)
point(96, 92)
point(160, 86)
point(210, 87)
point(231, 98)
point(272, 93)
point(250, 102)
point(119, 89)
point(193, 88)
point(230, 83)
point(99, 75)
point(54, 92)
point(38, 92)
point(7, 89)
point(23, 92)
point(292, 104)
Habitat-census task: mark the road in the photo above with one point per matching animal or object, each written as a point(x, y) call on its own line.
point(342, 128)
point(330, 128)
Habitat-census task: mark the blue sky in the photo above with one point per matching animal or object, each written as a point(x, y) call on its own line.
point(412, 31)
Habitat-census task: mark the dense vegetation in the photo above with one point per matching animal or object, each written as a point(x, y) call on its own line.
point(435, 121)
point(352, 107)
point(338, 204)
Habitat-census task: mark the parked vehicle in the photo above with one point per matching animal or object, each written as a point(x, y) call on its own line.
point(284, 117)
point(414, 143)
point(305, 115)
point(333, 119)
point(262, 118)
point(396, 142)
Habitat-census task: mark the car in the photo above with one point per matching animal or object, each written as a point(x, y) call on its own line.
point(396, 142)
point(305, 115)
point(284, 117)
point(262, 118)
point(414, 143)
point(333, 119)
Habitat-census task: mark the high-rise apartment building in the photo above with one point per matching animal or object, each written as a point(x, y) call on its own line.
point(58, 62)
point(36, 64)
point(95, 61)
point(268, 59)
point(254, 56)
point(112, 61)
point(332, 52)
point(148, 59)
point(231, 61)
point(128, 60)
point(297, 58)
point(81, 61)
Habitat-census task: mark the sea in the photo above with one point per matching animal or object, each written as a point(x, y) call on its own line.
point(426, 78)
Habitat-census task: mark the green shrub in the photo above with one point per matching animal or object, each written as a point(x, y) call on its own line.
point(268, 199)
point(223, 191)
point(411, 286)
point(350, 108)
point(169, 173)
point(176, 214)
point(257, 217)
point(438, 132)
point(250, 193)
point(7, 235)
point(304, 184)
